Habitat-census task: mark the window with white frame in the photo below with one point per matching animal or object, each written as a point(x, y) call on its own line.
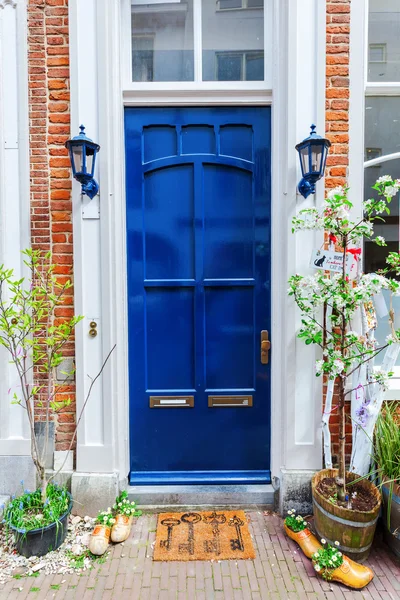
point(239, 4)
point(197, 41)
point(382, 131)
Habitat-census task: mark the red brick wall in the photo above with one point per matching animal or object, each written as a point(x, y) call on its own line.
point(49, 121)
point(337, 130)
point(337, 89)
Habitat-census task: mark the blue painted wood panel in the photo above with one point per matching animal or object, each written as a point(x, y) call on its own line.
point(198, 231)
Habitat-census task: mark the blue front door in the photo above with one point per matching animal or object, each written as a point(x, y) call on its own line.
point(198, 230)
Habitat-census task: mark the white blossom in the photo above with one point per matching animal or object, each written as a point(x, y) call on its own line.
point(336, 191)
point(382, 378)
point(318, 366)
point(391, 190)
point(342, 212)
point(337, 368)
point(384, 179)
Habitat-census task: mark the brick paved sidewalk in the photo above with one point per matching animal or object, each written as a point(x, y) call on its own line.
point(279, 572)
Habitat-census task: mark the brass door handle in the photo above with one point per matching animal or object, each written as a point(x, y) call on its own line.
point(265, 347)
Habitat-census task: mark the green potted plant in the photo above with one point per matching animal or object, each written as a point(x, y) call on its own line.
point(387, 460)
point(331, 303)
point(35, 338)
point(125, 511)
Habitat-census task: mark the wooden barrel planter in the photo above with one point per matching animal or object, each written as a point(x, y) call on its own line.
point(392, 534)
point(354, 530)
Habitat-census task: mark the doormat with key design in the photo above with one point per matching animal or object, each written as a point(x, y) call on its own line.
point(209, 535)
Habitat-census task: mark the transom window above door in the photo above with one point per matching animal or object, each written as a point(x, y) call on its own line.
point(195, 42)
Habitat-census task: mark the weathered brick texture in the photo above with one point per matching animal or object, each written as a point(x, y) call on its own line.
point(337, 89)
point(49, 121)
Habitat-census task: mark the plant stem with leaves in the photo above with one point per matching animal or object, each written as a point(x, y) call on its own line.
point(36, 339)
point(343, 349)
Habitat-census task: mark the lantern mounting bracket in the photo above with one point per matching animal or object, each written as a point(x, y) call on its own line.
point(306, 188)
point(91, 188)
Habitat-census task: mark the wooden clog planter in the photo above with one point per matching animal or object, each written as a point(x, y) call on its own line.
point(351, 574)
point(99, 539)
point(305, 539)
point(121, 529)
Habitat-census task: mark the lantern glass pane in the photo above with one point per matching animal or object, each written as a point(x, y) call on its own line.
point(89, 161)
point(77, 156)
point(325, 151)
point(304, 160)
point(316, 158)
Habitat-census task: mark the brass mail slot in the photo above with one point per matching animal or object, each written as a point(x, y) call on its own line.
point(230, 401)
point(171, 401)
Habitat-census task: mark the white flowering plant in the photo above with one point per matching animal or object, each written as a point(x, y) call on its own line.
point(106, 518)
point(327, 559)
point(330, 301)
point(123, 506)
point(295, 522)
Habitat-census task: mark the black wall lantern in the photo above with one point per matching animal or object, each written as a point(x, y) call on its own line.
point(313, 152)
point(82, 154)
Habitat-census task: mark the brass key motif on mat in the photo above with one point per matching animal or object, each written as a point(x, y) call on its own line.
point(237, 544)
point(170, 524)
point(214, 520)
point(190, 519)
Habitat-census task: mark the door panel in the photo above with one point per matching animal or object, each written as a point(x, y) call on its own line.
point(168, 196)
point(228, 222)
point(229, 319)
point(198, 228)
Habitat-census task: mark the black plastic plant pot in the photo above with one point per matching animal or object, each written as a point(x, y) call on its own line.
point(38, 542)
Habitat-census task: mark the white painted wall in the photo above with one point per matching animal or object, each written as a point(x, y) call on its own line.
point(14, 197)
point(298, 30)
point(99, 238)
point(299, 100)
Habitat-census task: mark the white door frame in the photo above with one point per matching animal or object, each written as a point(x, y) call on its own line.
point(98, 101)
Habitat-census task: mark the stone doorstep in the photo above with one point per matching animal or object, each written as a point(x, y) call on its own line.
point(173, 498)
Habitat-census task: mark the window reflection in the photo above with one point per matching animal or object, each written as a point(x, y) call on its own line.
point(233, 40)
point(382, 137)
point(384, 40)
point(162, 41)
